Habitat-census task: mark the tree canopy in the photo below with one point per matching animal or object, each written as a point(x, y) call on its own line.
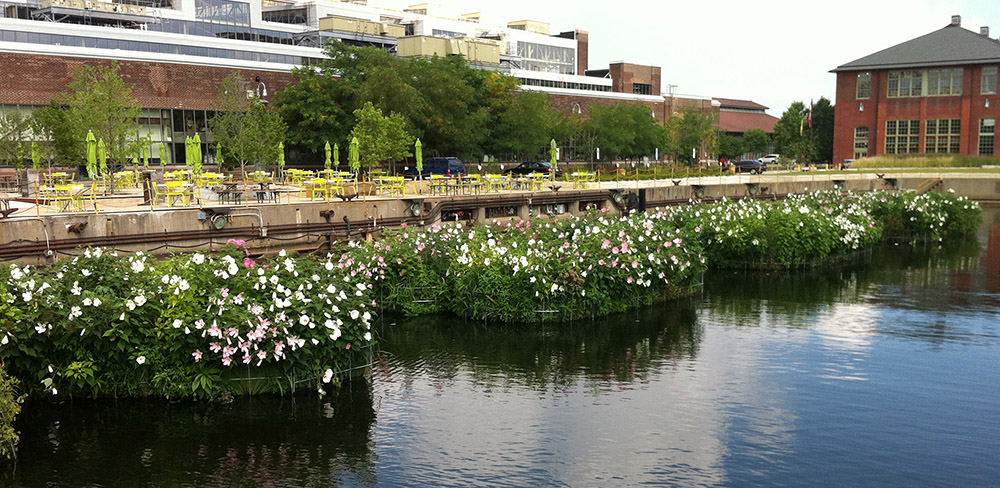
point(380, 138)
point(247, 130)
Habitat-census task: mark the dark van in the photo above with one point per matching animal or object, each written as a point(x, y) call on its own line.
point(439, 166)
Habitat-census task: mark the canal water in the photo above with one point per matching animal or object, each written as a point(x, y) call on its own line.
point(885, 373)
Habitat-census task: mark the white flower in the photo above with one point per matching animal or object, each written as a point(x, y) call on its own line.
point(328, 376)
point(198, 258)
point(26, 296)
point(304, 319)
point(85, 272)
point(368, 336)
point(138, 266)
point(178, 323)
point(87, 302)
point(97, 302)
point(366, 317)
point(55, 391)
point(335, 334)
point(183, 285)
point(141, 359)
point(331, 289)
point(233, 269)
point(140, 300)
point(355, 314)
point(328, 266)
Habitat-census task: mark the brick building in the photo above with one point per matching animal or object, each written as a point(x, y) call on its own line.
point(933, 94)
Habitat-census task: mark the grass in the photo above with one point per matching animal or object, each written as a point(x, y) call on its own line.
point(925, 161)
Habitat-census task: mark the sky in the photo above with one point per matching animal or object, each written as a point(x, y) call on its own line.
point(771, 52)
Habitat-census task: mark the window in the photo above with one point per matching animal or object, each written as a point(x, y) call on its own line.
point(860, 142)
point(944, 82)
point(905, 83)
point(943, 136)
point(864, 85)
point(550, 59)
point(642, 88)
point(989, 81)
point(987, 134)
point(902, 136)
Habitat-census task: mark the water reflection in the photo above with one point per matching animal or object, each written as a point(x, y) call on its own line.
point(254, 442)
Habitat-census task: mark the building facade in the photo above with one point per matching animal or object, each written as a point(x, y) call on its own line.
point(937, 93)
point(176, 52)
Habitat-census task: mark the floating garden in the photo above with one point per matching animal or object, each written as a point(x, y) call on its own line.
point(210, 326)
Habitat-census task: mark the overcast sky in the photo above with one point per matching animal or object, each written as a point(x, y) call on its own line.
point(773, 53)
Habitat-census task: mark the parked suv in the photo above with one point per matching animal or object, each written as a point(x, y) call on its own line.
point(770, 159)
point(438, 166)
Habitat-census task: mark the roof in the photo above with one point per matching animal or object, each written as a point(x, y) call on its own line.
point(734, 103)
point(741, 122)
point(949, 46)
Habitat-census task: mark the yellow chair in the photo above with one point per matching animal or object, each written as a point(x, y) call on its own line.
point(175, 190)
point(319, 187)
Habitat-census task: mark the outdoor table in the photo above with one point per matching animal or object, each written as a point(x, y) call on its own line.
point(390, 184)
point(580, 179)
point(443, 186)
point(60, 178)
point(471, 184)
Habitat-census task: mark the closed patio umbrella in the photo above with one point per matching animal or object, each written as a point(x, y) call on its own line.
point(419, 152)
point(552, 153)
point(91, 155)
point(188, 152)
point(145, 156)
point(196, 162)
point(281, 156)
point(336, 153)
point(354, 156)
point(102, 155)
point(163, 154)
point(326, 164)
point(218, 155)
point(36, 159)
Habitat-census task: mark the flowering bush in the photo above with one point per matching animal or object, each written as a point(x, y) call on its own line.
point(533, 270)
point(105, 325)
point(807, 228)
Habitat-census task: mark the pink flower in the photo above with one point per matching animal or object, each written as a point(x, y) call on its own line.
point(614, 250)
point(224, 292)
point(197, 356)
point(629, 280)
point(606, 244)
point(348, 346)
point(249, 262)
point(238, 299)
point(226, 361)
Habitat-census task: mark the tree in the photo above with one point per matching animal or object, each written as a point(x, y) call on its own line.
point(755, 141)
point(625, 130)
point(822, 124)
point(692, 132)
point(525, 126)
point(380, 138)
point(247, 130)
point(730, 146)
point(792, 136)
point(97, 99)
point(15, 129)
point(314, 110)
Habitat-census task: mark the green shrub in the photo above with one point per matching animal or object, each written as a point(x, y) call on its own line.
point(10, 407)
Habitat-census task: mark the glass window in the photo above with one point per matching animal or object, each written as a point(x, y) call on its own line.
point(987, 136)
point(860, 142)
point(944, 82)
point(905, 83)
point(902, 136)
point(864, 85)
point(550, 59)
point(943, 136)
point(223, 11)
point(642, 88)
point(989, 82)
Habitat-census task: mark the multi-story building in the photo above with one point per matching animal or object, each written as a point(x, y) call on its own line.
point(175, 53)
point(933, 94)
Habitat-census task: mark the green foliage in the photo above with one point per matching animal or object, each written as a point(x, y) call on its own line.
point(380, 138)
point(98, 100)
point(10, 407)
point(921, 160)
point(755, 141)
point(695, 129)
point(792, 135)
point(730, 147)
point(822, 116)
point(314, 111)
point(247, 130)
point(625, 130)
point(15, 131)
point(524, 125)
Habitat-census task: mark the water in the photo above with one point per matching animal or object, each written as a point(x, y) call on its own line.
point(884, 374)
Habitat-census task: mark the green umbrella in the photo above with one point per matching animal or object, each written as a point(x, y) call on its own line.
point(188, 152)
point(336, 153)
point(36, 159)
point(552, 152)
point(327, 148)
point(419, 152)
point(144, 154)
point(281, 157)
point(218, 155)
point(163, 154)
point(91, 155)
point(196, 163)
point(102, 155)
point(354, 157)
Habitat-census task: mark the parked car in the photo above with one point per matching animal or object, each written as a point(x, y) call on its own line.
point(438, 166)
point(533, 167)
point(750, 166)
point(770, 159)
